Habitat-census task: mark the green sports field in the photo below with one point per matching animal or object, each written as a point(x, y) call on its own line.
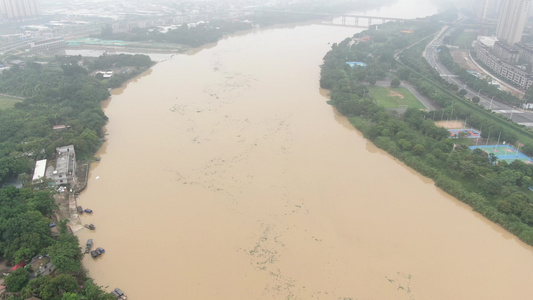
point(389, 97)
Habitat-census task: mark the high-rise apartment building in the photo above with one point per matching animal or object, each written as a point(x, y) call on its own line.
point(480, 8)
point(19, 9)
point(486, 9)
point(512, 20)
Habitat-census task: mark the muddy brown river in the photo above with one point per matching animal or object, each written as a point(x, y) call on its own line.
point(226, 175)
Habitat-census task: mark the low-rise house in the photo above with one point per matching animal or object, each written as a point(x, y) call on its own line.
point(65, 166)
point(41, 266)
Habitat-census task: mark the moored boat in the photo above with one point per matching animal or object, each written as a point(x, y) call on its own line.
point(119, 294)
point(90, 226)
point(97, 252)
point(89, 245)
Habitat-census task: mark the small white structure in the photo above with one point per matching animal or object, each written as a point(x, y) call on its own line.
point(105, 74)
point(40, 168)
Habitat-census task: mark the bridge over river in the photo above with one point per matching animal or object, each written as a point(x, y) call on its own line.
point(350, 20)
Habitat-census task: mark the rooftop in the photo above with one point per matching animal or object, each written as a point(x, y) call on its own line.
point(65, 159)
point(40, 168)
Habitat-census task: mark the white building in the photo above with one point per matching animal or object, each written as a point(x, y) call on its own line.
point(40, 169)
point(519, 77)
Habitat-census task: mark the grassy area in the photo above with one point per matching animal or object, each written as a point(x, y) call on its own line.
point(394, 97)
point(465, 39)
point(7, 102)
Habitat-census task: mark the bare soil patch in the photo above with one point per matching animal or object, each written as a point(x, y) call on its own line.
point(462, 58)
point(395, 94)
point(5, 266)
point(450, 124)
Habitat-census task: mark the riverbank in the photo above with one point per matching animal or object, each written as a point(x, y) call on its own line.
point(263, 182)
point(473, 177)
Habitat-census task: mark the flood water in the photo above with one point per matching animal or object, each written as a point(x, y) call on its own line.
point(226, 175)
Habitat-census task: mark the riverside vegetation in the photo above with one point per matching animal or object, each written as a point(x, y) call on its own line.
point(56, 91)
point(202, 33)
point(496, 189)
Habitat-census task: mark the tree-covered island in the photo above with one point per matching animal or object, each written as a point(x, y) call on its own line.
point(496, 189)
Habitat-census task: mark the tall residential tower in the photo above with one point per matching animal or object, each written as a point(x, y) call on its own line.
point(512, 20)
point(19, 9)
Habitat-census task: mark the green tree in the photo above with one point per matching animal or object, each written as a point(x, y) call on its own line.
point(24, 236)
point(92, 291)
point(51, 288)
point(44, 202)
point(418, 149)
point(17, 279)
point(66, 254)
point(71, 296)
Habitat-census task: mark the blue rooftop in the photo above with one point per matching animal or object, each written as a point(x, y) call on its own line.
point(356, 63)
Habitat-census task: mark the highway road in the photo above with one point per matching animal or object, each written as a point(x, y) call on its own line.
point(431, 54)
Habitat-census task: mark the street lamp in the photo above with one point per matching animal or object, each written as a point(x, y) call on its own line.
point(479, 92)
point(491, 103)
point(512, 111)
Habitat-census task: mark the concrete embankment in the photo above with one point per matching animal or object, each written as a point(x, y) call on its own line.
point(82, 177)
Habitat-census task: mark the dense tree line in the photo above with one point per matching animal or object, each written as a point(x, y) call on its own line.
point(202, 33)
point(194, 36)
point(497, 189)
point(58, 93)
point(105, 62)
point(25, 232)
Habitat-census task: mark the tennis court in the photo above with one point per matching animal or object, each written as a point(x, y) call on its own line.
point(468, 133)
point(505, 152)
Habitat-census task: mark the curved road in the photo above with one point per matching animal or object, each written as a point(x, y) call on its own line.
point(519, 116)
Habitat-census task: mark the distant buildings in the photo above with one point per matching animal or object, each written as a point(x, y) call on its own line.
point(503, 53)
point(65, 169)
point(518, 76)
point(47, 45)
point(485, 9)
point(512, 21)
point(18, 10)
